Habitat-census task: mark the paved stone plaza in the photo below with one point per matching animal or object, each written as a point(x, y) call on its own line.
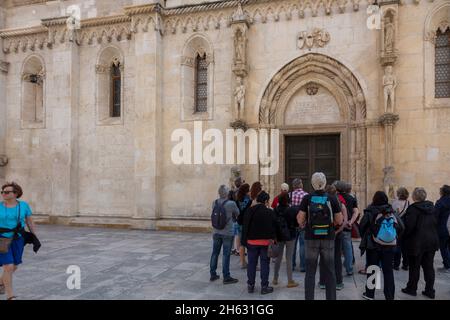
point(125, 264)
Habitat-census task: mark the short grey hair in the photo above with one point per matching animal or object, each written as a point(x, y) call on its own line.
point(224, 191)
point(348, 187)
point(419, 194)
point(340, 185)
point(297, 183)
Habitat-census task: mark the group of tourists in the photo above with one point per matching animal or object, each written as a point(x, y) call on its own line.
point(320, 226)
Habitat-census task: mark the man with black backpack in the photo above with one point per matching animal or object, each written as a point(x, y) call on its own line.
point(223, 211)
point(319, 214)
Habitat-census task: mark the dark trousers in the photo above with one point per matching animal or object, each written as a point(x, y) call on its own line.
point(426, 260)
point(383, 257)
point(253, 253)
point(445, 252)
point(324, 249)
point(400, 254)
point(337, 261)
point(300, 244)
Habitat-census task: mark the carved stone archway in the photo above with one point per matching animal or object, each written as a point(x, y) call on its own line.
point(344, 86)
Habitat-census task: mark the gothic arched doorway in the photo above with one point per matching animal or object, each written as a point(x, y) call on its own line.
point(317, 96)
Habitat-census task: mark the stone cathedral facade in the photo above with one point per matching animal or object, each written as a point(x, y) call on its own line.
point(92, 91)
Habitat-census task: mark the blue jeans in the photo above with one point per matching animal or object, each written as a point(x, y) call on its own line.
point(219, 241)
point(347, 247)
point(301, 250)
point(253, 253)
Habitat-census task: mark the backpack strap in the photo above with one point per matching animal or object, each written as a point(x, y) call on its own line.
point(331, 210)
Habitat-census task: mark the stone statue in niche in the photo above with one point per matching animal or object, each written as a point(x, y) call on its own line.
point(389, 85)
point(389, 35)
point(235, 174)
point(239, 44)
point(388, 182)
point(239, 98)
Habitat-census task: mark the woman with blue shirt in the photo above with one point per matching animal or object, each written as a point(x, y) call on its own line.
point(12, 212)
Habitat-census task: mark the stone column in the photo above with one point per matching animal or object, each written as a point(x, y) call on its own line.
point(388, 58)
point(3, 73)
point(240, 23)
point(63, 80)
point(148, 113)
point(388, 121)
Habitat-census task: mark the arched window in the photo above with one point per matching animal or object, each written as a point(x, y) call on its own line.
point(116, 80)
point(110, 87)
point(197, 79)
point(201, 83)
point(442, 64)
point(33, 83)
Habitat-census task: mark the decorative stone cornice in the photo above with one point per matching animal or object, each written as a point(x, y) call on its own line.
point(24, 39)
point(105, 21)
point(388, 119)
point(4, 66)
point(141, 9)
point(18, 3)
point(54, 22)
point(12, 33)
point(185, 18)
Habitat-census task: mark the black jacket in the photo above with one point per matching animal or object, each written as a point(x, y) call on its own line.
point(30, 238)
point(421, 233)
point(259, 223)
point(290, 215)
point(368, 219)
point(443, 212)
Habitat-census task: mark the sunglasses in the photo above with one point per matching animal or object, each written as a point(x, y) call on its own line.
point(7, 192)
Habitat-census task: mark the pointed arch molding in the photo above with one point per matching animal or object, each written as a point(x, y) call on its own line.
point(343, 84)
point(301, 67)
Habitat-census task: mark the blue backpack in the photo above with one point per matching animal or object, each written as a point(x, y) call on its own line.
point(385, 232)
point(219, 216)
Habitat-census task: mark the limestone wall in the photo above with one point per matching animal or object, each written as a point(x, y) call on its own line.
point(122, 174)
